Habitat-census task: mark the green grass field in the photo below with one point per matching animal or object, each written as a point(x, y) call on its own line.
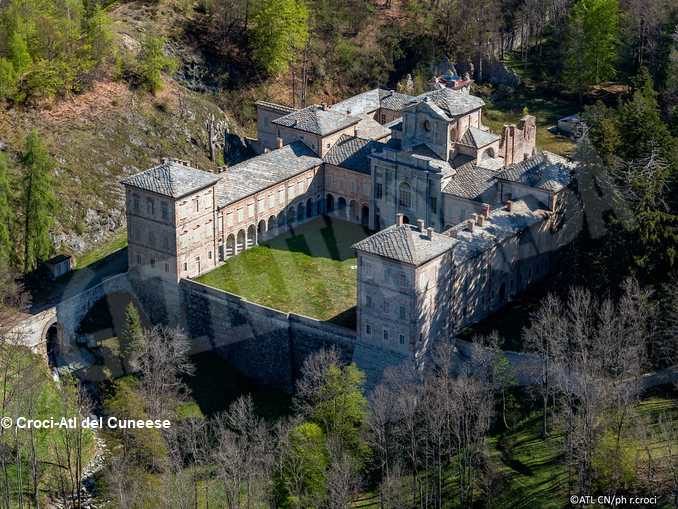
point(310, 271)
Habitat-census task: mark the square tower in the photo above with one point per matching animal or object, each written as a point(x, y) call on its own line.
point(171, 221)
point(403, 287)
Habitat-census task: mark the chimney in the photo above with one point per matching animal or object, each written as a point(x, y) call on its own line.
point(399, 219)
point(278, 142)
point(509, 205)
point(420, 225)
point(480, 220)
point(429, 232)
point(486, 210)
point(355, 131)
point(470, 224)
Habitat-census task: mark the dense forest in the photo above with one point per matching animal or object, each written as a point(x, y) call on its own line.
point(449, 440)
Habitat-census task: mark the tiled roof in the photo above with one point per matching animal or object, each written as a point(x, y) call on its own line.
point(172, 179)
point(544, 170)
point(500, 225)
point(470, 182)
point(405, 243)
point(477, 138)
point(371, 129)
point(393, 100)
point(263, 171)
point(372, 100)
point(317, 120)
point(452, 102)
point(352, 153)
point(276, 107)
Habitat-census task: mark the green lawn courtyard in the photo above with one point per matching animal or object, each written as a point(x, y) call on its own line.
point(310, 271)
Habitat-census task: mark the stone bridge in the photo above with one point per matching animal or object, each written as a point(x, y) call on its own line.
point(64, 317)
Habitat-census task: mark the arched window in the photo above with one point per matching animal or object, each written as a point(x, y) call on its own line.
point(405, 196)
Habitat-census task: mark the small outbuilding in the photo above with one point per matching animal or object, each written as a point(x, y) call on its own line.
point(60, 265)
point(571, 125)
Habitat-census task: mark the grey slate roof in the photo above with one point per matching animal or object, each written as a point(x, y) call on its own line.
point(172, 179)
point(276, 107)
point(371, 129)
point(352, 153)
point(317, 120)
point(545, 171)
point(452, 102)
point(500, 225)
point(405, 243)
point(372, 100)
point(477, 138)
point(470, 182)
point(263, 171)
point(393, 100)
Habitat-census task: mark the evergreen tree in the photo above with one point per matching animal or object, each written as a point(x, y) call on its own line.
point(131, 338)
point(19, 54)
point(153, 62)
point(280, 30)
point(5, 214)
point(39, 202)
point(8, 79)
point(591, 47)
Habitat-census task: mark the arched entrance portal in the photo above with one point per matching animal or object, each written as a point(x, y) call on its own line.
point(365, 215)
point(53, 344)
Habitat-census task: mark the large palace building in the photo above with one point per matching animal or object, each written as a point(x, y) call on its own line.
point(464, 219)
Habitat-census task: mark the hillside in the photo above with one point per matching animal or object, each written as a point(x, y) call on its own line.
point(108, 132)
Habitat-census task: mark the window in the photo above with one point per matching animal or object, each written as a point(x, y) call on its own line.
point(153, 262)
point(383, 118)
point(281, 196)
point(290, 192)
point(300, 188)
point(378, 191)
point(185, 265)
point(402, 313)
point(164, 208)
point(241, 215)
point(385, 335)
point(136, 202)
point(434, 205)
point(250, 210)
point(165, 241)
point(196, 204)
point(427, 125)
point(405, 196)
point(402, 339)
point(368, 329)
point(209, 255)
point(149, 206)
point(368, 301)
point(151, 239)
point(167, 267)
point(402, 280)
point(270, 201)
point(139, 259)
point(387, 306)
point(229, 219)
point(261, 205)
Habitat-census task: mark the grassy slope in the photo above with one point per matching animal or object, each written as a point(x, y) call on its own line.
point(310, 271)
point(111, 131)
point(531, 470)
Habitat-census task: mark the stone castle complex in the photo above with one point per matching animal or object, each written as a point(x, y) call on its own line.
point(464, 219)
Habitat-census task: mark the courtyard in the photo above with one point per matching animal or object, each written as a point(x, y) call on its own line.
point(310, 270)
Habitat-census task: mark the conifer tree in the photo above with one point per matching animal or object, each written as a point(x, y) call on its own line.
point(591, 47)
point(39, 202)
point(131, 337)
point(5, 213)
